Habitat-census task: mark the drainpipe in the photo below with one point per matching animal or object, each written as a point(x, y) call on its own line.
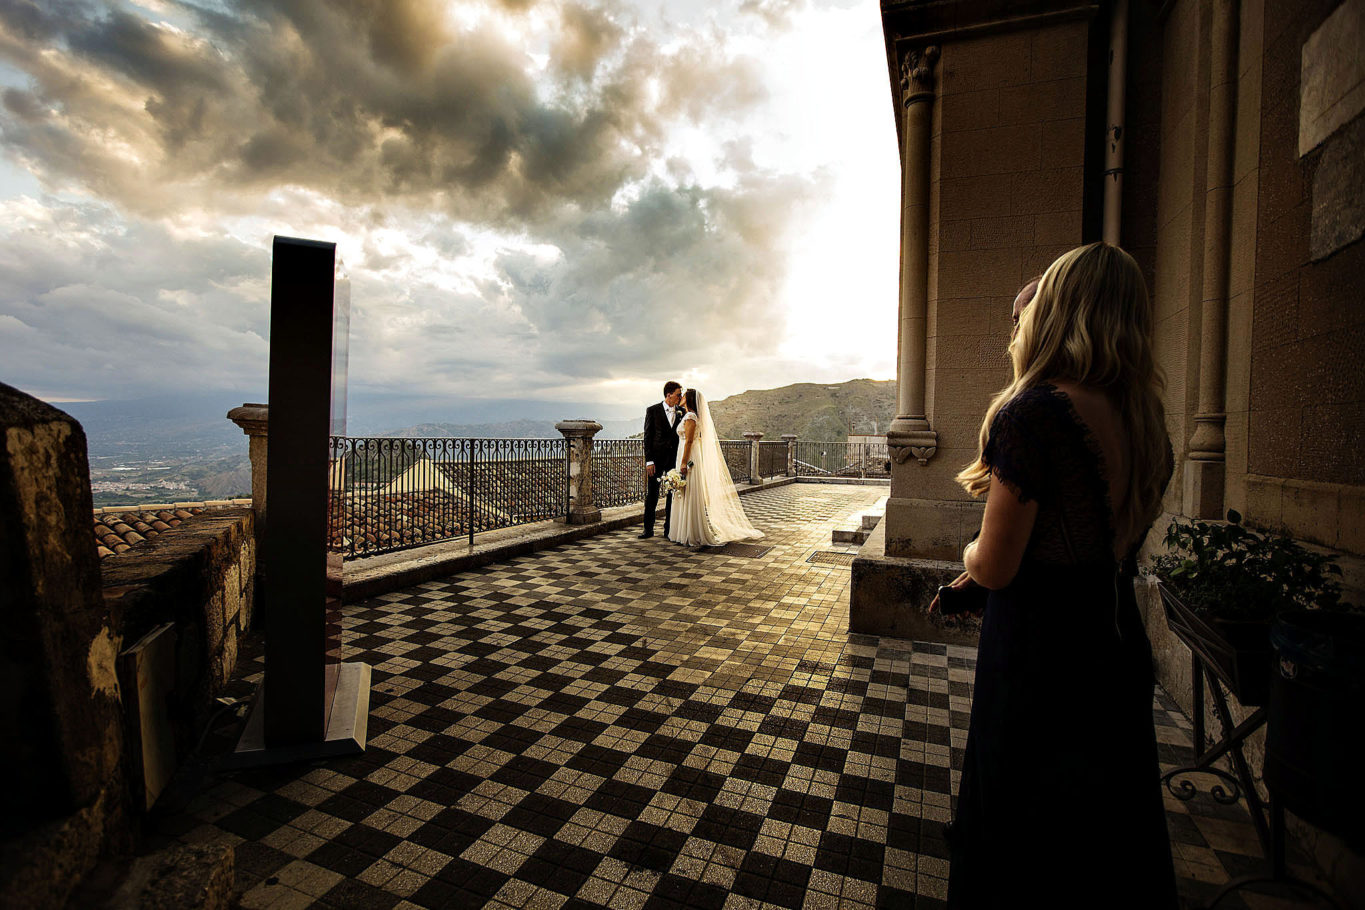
point(1113, 155)
point(1208, 444)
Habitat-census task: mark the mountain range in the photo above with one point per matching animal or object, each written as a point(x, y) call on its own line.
point(183, 447)
point(813, 411)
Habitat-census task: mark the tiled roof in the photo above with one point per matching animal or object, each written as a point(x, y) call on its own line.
point(120, 528)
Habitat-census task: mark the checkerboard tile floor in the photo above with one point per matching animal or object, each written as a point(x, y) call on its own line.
point(625, 723)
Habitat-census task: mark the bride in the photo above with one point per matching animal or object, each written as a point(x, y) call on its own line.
point(707, 512)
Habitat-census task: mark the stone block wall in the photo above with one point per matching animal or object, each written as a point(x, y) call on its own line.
point(201, 577)
point(1006, 192)
point(73, 787)
point(63, 803)
point(1305, 401)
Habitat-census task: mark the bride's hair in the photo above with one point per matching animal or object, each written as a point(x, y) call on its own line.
point(1090, 322)
point(690, 399)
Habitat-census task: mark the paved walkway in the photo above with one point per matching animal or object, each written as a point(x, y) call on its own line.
point(625, 723)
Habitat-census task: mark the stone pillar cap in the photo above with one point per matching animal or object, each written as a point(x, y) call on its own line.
point(788, 435)
point(250, 415)
point(580, 427)
point(752, 435)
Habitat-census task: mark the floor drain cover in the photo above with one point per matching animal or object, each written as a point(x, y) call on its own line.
point(831, 558)
point(746, 550)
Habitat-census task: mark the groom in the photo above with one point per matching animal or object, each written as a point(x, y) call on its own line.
point(661, 451)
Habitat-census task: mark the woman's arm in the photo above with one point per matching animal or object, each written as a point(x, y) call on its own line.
point(691, 431)
point(993, 559)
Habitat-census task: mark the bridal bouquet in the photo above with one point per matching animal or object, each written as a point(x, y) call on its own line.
point(673, 482)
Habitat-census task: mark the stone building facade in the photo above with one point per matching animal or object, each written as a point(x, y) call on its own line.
point(1222, 143)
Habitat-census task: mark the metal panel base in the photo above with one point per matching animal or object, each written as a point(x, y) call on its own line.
point(347, 730)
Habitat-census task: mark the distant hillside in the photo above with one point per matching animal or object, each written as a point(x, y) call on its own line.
point(514, 429)
point(811, 411)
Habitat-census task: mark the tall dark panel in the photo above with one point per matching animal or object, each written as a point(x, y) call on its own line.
point(296, 695)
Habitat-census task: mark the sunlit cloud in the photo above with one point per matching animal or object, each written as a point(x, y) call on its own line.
point(563, 203)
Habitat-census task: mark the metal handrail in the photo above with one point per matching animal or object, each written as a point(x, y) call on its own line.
point(392, 493)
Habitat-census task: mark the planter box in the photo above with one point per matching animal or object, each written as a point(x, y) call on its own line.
point(1238, 653)
point(1314, 738)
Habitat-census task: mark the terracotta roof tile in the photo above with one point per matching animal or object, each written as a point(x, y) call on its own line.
point(119, 528)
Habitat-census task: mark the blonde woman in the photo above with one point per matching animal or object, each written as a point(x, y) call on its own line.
point(1060, 798)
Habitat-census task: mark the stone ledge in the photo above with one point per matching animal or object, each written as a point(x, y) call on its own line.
point(374, 575)
point(865, 481)
point(42, 866)
point(188, 565)
point(889, 595)
point(198, 876)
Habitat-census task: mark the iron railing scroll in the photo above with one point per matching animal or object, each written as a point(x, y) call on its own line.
point(736, 453)
point(393, 493)
point(842, 459)
point(618, 472)
point(772, 459)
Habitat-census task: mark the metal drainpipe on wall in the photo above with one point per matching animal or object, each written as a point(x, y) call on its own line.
point(1113, 155)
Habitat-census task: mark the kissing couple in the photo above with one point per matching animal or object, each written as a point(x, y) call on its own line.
point(705, 511)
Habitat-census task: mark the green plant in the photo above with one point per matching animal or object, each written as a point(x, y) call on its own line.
point(1227, 571)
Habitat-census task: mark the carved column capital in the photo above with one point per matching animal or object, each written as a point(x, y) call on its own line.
point(922, 444)
point(917, 74)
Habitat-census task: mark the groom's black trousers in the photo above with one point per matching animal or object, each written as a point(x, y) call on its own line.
point(652, 502)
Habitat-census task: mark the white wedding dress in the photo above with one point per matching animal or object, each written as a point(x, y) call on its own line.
point(707, 512)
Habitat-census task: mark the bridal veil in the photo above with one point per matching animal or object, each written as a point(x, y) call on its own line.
point(724, 511)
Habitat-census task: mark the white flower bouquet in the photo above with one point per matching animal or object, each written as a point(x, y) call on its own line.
point(673, 482)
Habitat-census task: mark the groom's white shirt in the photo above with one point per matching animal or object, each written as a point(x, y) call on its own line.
point(668, 412)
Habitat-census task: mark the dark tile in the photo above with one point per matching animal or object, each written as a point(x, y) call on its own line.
point(340, 858)
point(360, 896)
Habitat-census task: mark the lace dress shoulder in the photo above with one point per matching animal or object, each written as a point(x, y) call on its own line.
point(1018, 443)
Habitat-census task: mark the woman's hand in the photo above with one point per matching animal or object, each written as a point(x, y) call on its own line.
point(960, 582)
point(683, 471)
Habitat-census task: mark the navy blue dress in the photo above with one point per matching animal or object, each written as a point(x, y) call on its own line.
point(1060, 802)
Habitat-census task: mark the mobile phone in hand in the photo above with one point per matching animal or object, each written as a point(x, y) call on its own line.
point(969, 598)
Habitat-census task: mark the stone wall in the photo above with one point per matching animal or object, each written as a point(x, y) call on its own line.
point(1005, 200)
point(1295, 335)
point(1305, 401)
point(73, 794)
point(201, 577)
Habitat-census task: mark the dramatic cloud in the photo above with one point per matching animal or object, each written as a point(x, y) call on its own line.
point(359, 100)
point(531, 198)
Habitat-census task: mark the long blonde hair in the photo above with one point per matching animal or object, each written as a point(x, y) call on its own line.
point(1090, 323)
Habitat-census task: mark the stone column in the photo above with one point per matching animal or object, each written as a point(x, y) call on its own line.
point(790, 440)
point(910, 434)
point(582, 509)
point(254, 419)
point(755, 474)
point(1206, 468)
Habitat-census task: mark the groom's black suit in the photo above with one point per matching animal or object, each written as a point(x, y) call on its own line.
point(661, 447)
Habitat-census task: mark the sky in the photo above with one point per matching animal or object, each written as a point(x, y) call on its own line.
point(550, 200)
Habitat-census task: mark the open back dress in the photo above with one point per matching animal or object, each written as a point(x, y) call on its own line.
point(1060, 802)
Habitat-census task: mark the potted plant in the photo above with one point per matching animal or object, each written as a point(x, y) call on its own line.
point(1222, 585)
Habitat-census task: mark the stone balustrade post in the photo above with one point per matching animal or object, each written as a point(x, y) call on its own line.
point(254, 419)
point(755, 476)
point(790, 440)
point(582, 507)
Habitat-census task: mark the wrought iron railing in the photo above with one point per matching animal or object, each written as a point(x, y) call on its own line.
point(736, 453)
point(393, 493)
point(618, 472)
point(842, 459)
point(772, 458)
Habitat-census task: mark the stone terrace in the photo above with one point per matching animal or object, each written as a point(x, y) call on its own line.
point(624, 723)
